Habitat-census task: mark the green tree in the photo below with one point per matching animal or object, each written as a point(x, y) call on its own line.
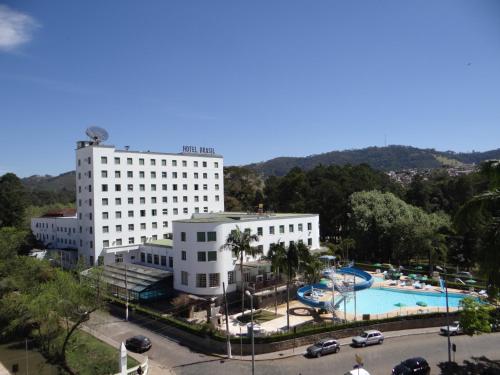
point(240, 243)
point(277, 256)
point(13, 201)
point(312, 269)
point(474, 317)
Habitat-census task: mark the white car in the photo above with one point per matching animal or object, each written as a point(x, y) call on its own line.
point(452, 330)
point(357, 371)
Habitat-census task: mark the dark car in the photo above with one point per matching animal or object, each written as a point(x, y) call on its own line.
point(415, 366)
point(326, 346)
point(138, 344)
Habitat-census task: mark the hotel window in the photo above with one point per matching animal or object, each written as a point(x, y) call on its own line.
point(202, 256)
point(183, 236)
point(163, 162)
point(130, 187)
point(89, 160)
point(184, 187)
point(174, 174)
point(205, 187)
point(143, 213)
point(118, 242)
point(142, 200)
point(153, 174)
point(118, 174)
point(156, 259)
point(200, 237)
point(201, 280)
point(143, 225)
point(282, 229)
point(164, 211)
point(104, 174)
point(195, 186)
point(149, 258)
point(174, 163)
point(141, 161)
point(300, 227)
point(205, 175)
point(163, 260)
point(183, 255)
point(117, 160)
point(118, 187)
point(118, 228)
point(153, 212)
point(118, 201)
point(153, 200)
point(309, 241)
point(118, 214)
point(131, 240)
point(105, 229)
point(290, 228)
point(184, 198)
point(211, 236)
point(259, 231)
point(184, 175)
point(141, 174)
point(165, 224)
point(174, 199)
point(196, 198)
point(184, 163)
point(105, 243)
point(216, 165)
point(174, 187)
point(163, 174)
point(216, 176)
point(216, 198)
point(143, 239)
point(204, 164)
point(216, 186)
point(154, 225)
point(176, 211)
point(105, 215)
point(130, 174)
point(230, 277)
point(205, 209)
point(131, 213)
point(143, 257)
point(212, 256)
point(142, 187)
point(171, 262)
point(291, 243)
point(195, 164)
point(213, 280)
point(205, 198)
point(130, 200)
point(153, 162)
point(129, 161)
point(184, 278)
point(104, 187)
point(164, 187)
point(185, 210)
point(309, 226)
point(153, 187)
point(195, 175)
point(104, 160)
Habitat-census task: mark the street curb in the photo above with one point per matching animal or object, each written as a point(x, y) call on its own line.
point(302, 352)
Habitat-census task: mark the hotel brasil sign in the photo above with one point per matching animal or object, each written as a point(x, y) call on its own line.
point(198, 150)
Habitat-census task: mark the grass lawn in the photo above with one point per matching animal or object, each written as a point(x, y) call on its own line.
point(90, 356)
point(259, 316)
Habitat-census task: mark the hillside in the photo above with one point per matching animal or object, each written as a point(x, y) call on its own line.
point(64, 181)
point(390, 158)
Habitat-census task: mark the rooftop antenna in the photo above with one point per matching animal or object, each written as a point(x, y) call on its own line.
point(97, 134)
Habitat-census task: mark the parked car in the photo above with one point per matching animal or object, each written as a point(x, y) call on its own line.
point(368, 338)
point(357, 371)
point(415, 366)
point(138, 344)
point(322, 347)
point(453, 329)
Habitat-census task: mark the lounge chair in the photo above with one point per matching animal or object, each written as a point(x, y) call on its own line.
point(428, 287)
point(417, 285)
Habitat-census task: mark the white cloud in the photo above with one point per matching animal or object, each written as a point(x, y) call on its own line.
point(15, 28)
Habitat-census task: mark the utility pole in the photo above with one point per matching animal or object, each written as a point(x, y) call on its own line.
point(126, 294)
point(447, 314)
point(227, 321)
point(253, 330)
point(355, 316)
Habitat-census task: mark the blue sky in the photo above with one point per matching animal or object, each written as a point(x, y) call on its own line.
point(254, 79)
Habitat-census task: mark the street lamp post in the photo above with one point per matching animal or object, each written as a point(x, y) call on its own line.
point(447, 313)
point(247, 292)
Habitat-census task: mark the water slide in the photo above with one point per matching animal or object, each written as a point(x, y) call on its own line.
point(309, 294)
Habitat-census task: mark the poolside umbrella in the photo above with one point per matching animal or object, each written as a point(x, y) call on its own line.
point(422, 303)
point(470, 281)
point(400, 305)
point(412, 276)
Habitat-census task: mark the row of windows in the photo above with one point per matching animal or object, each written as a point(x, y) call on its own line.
point(154, 212)
point(131, 241)
point(131, 227)
point(201, 236)
point(153, 187)
point(157, 259)
point(152, 162)
point(153, 174)
point(155, 200)
point(281, 229)
point(213, 279)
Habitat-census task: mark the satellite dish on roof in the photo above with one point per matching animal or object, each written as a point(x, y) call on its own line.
point(97, 134)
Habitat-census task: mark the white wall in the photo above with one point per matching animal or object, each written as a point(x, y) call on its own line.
point(56, 232)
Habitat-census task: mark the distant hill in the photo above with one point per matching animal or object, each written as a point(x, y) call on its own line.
point(390, 158)
point(65, 181)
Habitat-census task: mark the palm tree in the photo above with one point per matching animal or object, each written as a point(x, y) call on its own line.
point(277, 256)
point(312, 269)
point(240, 244)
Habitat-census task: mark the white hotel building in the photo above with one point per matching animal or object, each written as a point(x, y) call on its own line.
point(131, 204)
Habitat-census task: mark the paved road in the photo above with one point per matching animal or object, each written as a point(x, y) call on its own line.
point(378, 359)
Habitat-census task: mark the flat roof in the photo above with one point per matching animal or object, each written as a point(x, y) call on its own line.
point(236, 217)
point(161, 242)
point(217, 156)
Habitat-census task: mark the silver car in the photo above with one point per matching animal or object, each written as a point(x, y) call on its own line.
point(368, 338)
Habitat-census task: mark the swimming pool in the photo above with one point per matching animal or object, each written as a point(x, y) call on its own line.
point(382, 300)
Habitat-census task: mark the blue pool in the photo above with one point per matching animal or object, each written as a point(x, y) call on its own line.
point(382, 300)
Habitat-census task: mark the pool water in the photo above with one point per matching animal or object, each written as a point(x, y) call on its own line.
point(382, 300)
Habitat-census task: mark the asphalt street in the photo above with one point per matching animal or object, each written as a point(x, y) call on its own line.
point(378, 359)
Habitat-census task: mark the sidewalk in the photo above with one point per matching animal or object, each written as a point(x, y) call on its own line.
point(299, 351)
point(154, 368)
